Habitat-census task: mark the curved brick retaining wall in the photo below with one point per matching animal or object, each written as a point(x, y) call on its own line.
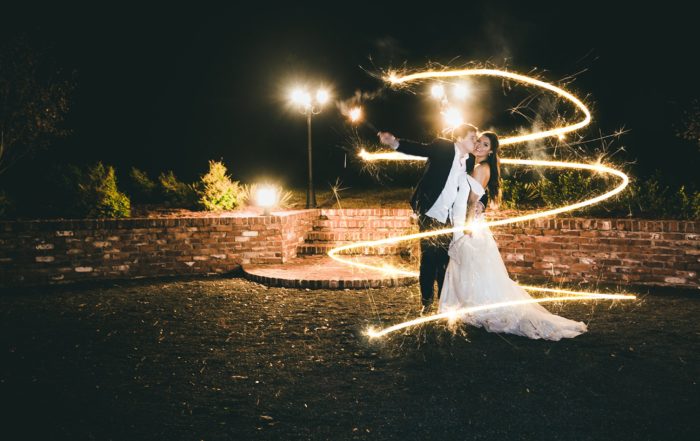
point(635, 252)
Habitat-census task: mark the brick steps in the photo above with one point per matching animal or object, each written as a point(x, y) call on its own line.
point(350, 235)
point(313, 269)
point(322, 248)
point(390, 224)
point(331, 230)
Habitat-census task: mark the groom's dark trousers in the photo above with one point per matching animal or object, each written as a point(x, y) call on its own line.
point(433, 261)
point(433, 258)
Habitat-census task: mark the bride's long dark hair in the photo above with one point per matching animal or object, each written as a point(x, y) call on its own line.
point(494, 161)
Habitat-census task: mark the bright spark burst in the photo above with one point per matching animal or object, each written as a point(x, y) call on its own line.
point(452, 117)
point(355, 114)
point(557, 131)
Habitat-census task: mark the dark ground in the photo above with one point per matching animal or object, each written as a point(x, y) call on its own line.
point(217, 359)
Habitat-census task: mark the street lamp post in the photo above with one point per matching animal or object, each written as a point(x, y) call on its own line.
point(309, 107)
point(310, 193)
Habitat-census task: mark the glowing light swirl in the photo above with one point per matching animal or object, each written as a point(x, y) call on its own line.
point(559, 131)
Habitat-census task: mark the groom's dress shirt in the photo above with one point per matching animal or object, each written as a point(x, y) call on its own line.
point(442, 208)
point(436, 189)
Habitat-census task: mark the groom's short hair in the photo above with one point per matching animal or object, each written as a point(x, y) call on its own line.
point(462, 130)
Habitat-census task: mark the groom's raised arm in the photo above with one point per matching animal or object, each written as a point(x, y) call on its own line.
point(404, 146)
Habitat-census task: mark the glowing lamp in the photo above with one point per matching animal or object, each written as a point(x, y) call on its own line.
point(322, 96)
point(461, 91)
point(266, 197)
point(437, 91)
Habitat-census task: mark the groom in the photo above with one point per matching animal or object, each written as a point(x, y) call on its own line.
point(434, 196)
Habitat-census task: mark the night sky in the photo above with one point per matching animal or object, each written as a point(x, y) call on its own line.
point(170, 87)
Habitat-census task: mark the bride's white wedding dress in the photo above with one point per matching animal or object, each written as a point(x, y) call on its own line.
point(477, 276)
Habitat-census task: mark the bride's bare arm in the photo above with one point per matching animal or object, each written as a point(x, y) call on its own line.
point(481, 173)
point(472, 204)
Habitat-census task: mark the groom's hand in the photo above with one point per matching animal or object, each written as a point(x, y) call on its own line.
point(479, 208)
point(387, 138)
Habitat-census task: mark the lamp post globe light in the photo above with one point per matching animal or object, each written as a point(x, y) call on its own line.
point(451, 115)
point(309, 106)
point(266, 197)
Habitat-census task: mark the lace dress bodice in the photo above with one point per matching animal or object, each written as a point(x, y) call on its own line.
point(459, 210)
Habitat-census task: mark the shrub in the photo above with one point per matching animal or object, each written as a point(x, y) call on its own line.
point(5, 205)
point(216, 190)
point(176, 193)
point(652, 199)
point(98, 195)
point(645, 199)
point(570, 186)
point(689, 203)
point(518, 194)
point(143, 188)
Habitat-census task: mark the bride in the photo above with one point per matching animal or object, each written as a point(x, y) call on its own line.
point(476, 274)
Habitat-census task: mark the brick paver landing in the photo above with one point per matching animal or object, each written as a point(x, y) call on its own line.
point(322, 272)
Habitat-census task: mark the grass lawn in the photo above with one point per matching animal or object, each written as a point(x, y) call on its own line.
point(356, 198)
point(225, 359)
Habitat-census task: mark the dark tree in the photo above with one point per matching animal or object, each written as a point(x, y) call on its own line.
point(34, 100)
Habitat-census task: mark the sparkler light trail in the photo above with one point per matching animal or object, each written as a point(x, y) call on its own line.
point(557, 131)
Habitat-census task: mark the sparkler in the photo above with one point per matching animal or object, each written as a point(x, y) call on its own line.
point(438, 91)
point(356, 116)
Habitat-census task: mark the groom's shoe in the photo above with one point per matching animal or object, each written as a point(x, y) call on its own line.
point(427, 308)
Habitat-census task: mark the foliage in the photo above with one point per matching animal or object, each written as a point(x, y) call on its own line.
point(98, 195)
point(57, 196)
point(216, 190)
point(647, 198)
point(249, 191)
point(689, 127)
point(5, 205)
point(568, 187)
point(176, 193)
point(518, 194)
point(142, 188)
point(689, 203)
point(34, 101)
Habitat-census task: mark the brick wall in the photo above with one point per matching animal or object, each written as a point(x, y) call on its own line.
point(635, 252)
point(624, 251)
point(617, 251)
point(46, 252)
